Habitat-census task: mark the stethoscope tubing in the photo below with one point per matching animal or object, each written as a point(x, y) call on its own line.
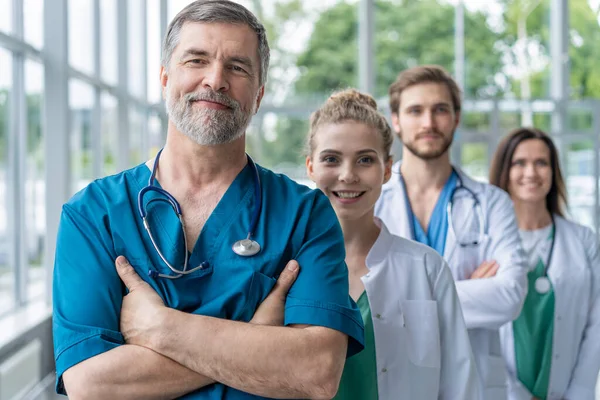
point(449, 207)
point(170, 199)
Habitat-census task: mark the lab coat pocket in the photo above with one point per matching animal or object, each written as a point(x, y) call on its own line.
point(496, 373)
point(423, 333)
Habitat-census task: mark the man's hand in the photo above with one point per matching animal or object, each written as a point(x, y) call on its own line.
point(271, 310)
point(141, 309)
point(487, 269)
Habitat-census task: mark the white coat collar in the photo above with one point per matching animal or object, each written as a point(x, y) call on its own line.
point(393, 206)
point(381, 247)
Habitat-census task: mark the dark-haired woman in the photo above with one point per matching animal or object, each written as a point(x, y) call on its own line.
point(552, 350)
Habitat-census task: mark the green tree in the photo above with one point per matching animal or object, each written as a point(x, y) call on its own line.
point(584, 45)
point(406, 34)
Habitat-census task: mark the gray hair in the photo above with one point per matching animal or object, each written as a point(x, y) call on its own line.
point(208, 11)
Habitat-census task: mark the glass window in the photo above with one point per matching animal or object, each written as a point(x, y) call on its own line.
point(108, 41)
point(136, 48)
point(156, 135)
point(7, 277)
point(110, 134)
point(136, 137)
point(154, 51)
point(525, 43)
point(326, 54)
point(33, 11)
point(580, 181)
point(35, 186)
point(583, 46)
point(474, 160)
point(81, 35)
point(277, 142)
point(81, 99)
point(6, 16)
point(174, 6)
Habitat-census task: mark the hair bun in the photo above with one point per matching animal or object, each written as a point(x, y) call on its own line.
point(353, 96)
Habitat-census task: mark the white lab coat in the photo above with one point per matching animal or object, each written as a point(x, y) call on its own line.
point(421, 341)
point(575, 275)
point(487, 304)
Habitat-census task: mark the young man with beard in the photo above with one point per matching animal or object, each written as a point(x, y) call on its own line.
point(470, 223)
point(190, 325)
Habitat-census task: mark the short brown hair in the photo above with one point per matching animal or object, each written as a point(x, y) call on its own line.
point(350, 105)
point(556, 200)
point(423, 74)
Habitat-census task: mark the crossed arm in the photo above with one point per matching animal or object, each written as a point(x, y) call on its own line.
point(175, 353)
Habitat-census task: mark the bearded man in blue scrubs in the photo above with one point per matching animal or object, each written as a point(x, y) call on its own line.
point(174, 317)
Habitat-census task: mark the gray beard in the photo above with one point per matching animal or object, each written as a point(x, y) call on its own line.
point(208, 127)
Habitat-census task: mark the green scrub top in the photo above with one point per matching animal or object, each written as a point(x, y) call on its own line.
point(533, 331)
point(359, 379)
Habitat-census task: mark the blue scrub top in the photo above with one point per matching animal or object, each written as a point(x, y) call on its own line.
point(102, 222)
point(438, 223)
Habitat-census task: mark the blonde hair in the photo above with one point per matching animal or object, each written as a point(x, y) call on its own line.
point(350, 105)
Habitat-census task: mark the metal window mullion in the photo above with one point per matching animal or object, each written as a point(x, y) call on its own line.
point(17, 156)
point(20, 154)
point(123, 156)
point(459, 45)
point(146, 112)
point(96, 128)
point(366, 46)
point(495, 135)
point(164, 19)
point(596, 158)
point(56, 124)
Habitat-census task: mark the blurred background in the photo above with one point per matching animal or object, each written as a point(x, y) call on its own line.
point(80, 98)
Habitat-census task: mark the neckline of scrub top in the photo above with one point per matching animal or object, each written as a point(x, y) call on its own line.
point(226, 211)
point(437, 228)
point(536, 244)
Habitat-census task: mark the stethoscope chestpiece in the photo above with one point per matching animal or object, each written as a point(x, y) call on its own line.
point(246, 247)
point(542, 285)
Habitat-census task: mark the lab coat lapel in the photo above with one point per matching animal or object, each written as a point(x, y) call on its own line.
point(393, 207)
point(451, 242)
point(450, 247)
point(404, 221)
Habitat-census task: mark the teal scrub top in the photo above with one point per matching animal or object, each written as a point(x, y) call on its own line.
point(102, 222)
point(438, 223)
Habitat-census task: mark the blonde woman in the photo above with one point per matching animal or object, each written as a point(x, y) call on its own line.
point(416, 342)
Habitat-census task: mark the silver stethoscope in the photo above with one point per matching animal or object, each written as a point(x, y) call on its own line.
point(542, 283)
point(245, 247)
point(476, 206)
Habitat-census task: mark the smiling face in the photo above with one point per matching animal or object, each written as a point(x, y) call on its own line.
point(530, 176)
point(426, 120)
point(349, 165)
point(212, 83)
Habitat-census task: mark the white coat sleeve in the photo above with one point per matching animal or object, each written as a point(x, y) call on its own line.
point(492, 302)
point(459, 378)
point(585, 374)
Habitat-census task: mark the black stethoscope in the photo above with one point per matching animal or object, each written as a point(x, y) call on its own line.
point(245, 247)
point(449, 207)
point(542, 283)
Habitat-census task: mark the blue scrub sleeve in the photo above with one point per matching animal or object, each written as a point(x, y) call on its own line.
point(87, 292)
point(320, 294)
